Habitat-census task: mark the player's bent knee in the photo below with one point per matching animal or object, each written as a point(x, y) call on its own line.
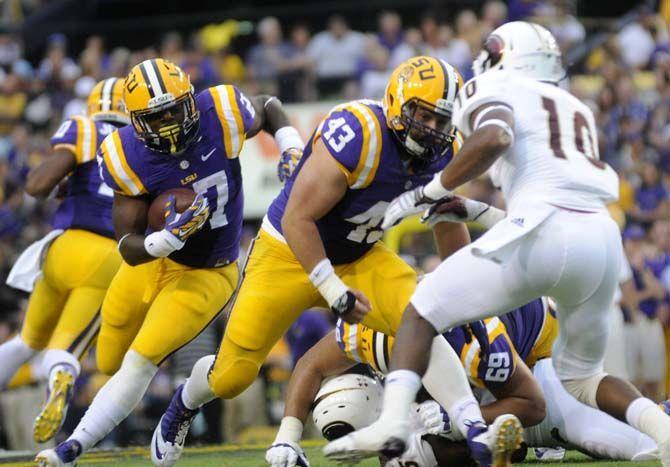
point(229, 379)
point(584, 389)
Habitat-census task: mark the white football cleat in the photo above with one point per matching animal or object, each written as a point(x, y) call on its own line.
point(63, 455)
point(169, 436)
point(387, 437)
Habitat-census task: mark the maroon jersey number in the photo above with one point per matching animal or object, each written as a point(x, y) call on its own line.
point(580, 124)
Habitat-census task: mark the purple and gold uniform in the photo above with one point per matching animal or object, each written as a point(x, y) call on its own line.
point(63, 311)
point(528, 331)
point(358, 138)
point(193, 284)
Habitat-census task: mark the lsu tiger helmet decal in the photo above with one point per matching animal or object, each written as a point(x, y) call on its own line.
point(105, 102)
point(418, 104)
point(161, 102)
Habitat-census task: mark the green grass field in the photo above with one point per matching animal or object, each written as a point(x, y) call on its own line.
point(253, 456)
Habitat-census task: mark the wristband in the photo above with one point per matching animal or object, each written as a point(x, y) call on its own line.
point(287, 138)
point(118, 244)
point(490, 216)
point(162, 243)
point(327, 282)
point(290, 429)
point(434, 190)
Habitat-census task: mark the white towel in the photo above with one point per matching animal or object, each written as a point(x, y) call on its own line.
point(499, 241)
point(28, 267)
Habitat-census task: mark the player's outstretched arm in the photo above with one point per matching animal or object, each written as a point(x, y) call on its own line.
point(271, 117)
point(493, 134)
point(521, 395)
point(319, 186)
point(46, 176)
point(450, 237)
point(322, 360)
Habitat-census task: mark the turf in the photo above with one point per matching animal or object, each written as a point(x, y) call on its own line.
point(253, 456)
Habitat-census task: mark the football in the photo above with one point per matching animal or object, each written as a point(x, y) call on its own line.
point(183, 199)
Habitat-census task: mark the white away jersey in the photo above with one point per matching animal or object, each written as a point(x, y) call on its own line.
point(555, 156)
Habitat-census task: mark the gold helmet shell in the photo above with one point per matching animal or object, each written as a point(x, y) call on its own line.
point(161, 102)
point(424, 83)
point(105, 102)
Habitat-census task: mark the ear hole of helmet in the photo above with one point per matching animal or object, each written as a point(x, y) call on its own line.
point(336, 430)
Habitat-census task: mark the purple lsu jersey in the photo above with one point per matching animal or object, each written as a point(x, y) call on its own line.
point(370, 156)
point(88, 200)
point(488, 348)
point(209, 166)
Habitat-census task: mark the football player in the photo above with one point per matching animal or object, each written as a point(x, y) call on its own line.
point(319, 243)
point(63, 315)
point(497, 355)
point(174, 281)
point(540, 144)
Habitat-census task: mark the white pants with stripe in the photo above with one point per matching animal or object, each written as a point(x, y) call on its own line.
point(573, 258)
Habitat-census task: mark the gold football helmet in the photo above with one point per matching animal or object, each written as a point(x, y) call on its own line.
point(418, 103)
point(160, 99)
point(105, 102)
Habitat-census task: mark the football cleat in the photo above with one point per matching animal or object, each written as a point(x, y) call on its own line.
point(388, 438)
point(169, 436)
point(52, 416)
point(63, 455)
point(550, 454)
point(505, 437)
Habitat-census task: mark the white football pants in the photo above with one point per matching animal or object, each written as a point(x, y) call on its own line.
point(573, 425)
point(572, 257)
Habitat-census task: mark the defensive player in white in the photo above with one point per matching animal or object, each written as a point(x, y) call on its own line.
point(539, 144)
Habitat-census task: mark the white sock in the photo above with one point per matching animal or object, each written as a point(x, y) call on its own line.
point(13, 353)
point(453, 393)
point(115, 400)
point(399, 393)
point(37, 367)
point(646, 416)
point(196, 390)
point(466, 413)
point(55, 360)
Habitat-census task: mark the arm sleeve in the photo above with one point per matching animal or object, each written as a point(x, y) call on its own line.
point(364, 345)
point(77, 135)
point(114, 168)
point(352, 135)
point(497, 363)
point(487, 88)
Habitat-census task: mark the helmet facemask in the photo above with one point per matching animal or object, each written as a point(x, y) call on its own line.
point(168, 128)
point(428, 131)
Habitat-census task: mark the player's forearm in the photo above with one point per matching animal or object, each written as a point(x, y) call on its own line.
point(302, 389)
point(478, 154)
point(45, 177)
point(528, 412)
point(275, 116)
point(133, 251)
point(302, 236)
point(450, 237)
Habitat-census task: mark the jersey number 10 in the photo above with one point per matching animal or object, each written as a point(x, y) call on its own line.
point(580, 125)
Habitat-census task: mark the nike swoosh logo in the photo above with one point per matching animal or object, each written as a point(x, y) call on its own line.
point(206, 156)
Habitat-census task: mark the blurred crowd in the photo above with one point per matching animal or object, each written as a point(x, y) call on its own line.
point(625, 80)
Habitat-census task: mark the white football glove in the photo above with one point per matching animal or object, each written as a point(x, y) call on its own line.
point(434, 418)
point(461, 209)
point(409, 203)
point(286, 454)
